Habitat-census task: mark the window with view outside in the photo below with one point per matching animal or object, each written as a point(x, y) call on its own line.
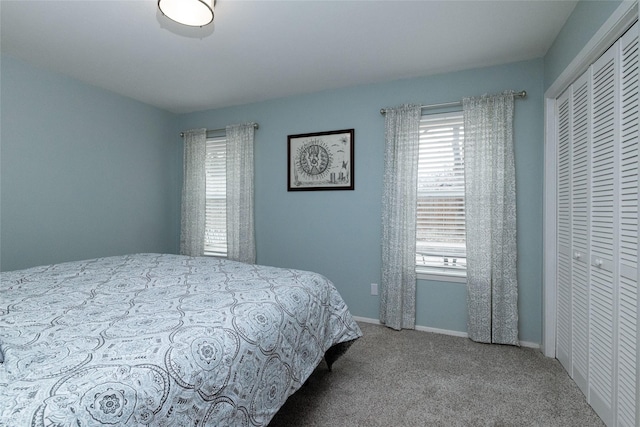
point(215, 236)
point(440, 228)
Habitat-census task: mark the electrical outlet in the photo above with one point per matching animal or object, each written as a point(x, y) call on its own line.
point(374, 289)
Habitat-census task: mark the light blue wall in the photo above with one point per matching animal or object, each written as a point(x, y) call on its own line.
point(337, 233)
point(84, 172)
point(585, 20)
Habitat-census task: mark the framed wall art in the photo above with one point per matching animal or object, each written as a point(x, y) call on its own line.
point(320, 161)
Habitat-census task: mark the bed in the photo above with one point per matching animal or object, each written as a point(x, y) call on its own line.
point(162, 340)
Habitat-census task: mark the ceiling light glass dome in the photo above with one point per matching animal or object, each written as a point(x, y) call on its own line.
point(195, 13)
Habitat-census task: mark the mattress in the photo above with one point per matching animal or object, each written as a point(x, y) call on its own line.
point(162, 340)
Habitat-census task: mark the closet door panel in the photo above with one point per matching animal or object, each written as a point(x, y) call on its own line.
point(563, 345)
point(580, 194)
point(628, 243)
point(602, 286)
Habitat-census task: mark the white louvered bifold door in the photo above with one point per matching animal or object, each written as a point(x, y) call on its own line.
point(580, 225)
point(563, 344)
point(627, 356)
point(603, 230)
point(597, 121)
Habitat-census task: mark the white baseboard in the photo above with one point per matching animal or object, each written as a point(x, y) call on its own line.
point(440, 331)
point(530, 344)
point(366, 320)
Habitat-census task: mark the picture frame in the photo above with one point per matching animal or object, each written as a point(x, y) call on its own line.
point(320, 161)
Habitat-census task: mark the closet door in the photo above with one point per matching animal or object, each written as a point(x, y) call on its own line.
point(597, 238)
point(580, 225)
point(627, 356)
point(564, 325)
point(603, 234)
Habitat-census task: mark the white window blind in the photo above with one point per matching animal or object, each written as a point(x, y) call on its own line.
point(440, 232)
point(215, 236)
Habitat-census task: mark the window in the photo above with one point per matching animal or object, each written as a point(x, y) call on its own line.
point(215, 236)
point(440, 229)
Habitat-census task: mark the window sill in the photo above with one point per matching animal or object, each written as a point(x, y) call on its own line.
point(441, 277)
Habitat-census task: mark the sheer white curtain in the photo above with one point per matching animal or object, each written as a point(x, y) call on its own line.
point(193, 193)
point(490, 203)
point(398, 287)
point(240, 223)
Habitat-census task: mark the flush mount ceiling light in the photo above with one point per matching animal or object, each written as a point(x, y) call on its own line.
point(195, 13)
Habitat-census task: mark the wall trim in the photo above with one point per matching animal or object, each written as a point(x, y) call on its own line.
point(440, 331)
point(613, 28)
point(549, 257)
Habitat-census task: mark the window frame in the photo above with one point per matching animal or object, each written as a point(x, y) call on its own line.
point(219, 143)
point(424, 272)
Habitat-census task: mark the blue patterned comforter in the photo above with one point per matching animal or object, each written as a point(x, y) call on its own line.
point(161, 340)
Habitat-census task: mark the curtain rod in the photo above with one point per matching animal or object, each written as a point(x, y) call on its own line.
point(521, 94)
point(255, 126)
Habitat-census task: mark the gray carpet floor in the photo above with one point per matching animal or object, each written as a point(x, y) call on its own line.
point(412, 378)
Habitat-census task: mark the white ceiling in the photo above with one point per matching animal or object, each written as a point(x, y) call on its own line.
point(258, 50)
